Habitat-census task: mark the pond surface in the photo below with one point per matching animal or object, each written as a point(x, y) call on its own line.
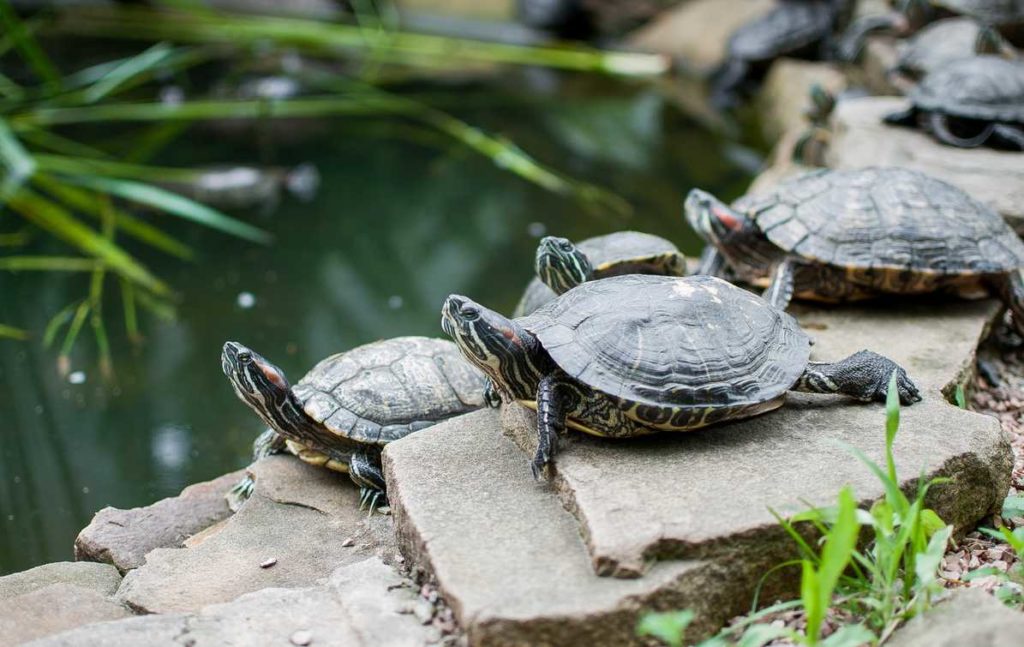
point(402, 219)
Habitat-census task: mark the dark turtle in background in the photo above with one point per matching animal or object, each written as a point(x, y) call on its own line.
point(588, 19)
point(941, 43)
point(791, 28)
point(343, 412)
point(908, 16)
point(633, 355)
point(848, 235)
point(561, 264)
point(970, 102)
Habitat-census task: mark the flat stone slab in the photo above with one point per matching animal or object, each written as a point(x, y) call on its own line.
point(859, 138)
point(306, 518)
point(123, 537)
point(361, 605)
point(55, 597)
point(685, 516)
point(969, 617)
point(697, 31)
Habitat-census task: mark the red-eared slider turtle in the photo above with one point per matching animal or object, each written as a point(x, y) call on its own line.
point(342, 413)
point(908, 16)
point(791, 28)
point(562, 264)
point(970, 102)
point(941, 43)
point(632, 355)
point(843, 235)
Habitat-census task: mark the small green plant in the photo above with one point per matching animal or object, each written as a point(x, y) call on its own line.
point(1011, 582)
point(880, 586)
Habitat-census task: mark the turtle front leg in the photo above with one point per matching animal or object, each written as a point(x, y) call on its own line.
point(266, 444)
point(864, 375)
point(551, 413)
point(365, 471)
point(492, 397)
point(783, 282)
point(1011, 288)
point(712, 262)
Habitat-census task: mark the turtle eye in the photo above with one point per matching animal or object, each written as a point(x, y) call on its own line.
point(566, 246)
point(469, 314)
point(244, 357)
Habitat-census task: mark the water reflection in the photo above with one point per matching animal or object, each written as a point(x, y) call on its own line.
point(397, 226)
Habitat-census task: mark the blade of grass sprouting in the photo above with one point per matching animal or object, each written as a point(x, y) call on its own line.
point(48, 264)
point(108, 168)
point(55, 323)
point(10, 332)
point(159, 308)
point(174, 204)
point(55, 219)
point(131, 317)
point(892, 423)
point(13, 155)
point(153, 140)
point(96, 294)
point(59, 144)
point(27, 45)
point(16, 239)
point(126, 70)
point(403, 47)
point(87, 203)
point(64, 358)
point(9, 89)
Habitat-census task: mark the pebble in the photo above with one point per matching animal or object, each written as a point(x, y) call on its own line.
point(267, 563)
point(348, 543)
point(301, 638)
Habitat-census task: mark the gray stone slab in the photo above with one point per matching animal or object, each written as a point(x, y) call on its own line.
point(123, 537)
point(687, 515)
point(362, 605)
point(859, 138)
point(969, 617)
point(101, 578)
point(52, 609)
point(306, 518)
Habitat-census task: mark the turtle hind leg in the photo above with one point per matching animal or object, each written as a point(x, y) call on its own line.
point(1007, 136)
point(365, 471)
point(266, 444)
point(864, 375)
point(551, 414)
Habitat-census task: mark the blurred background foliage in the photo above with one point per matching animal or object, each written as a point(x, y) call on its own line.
point(176, 174)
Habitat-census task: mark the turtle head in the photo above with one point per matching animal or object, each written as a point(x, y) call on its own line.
point(561, 265)
point(715, 222)
point(499, 346)
point(256, 381)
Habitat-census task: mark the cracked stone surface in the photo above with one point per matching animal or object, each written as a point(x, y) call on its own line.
point(968, 617)
point(55, 597)
point(304, 517)
point(697, 31)
point(684, 517)
point(123, 537)
point(365, 604)
point(861, 139)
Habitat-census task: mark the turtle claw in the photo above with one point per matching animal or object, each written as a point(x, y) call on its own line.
point(240, 493)
point(373, 499)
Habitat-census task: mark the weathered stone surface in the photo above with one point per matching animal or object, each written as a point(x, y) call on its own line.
point(859, 138)
point(687, 513)
point(365, 604)
point(101, 578)
point(880, 55)
point(55, 597)
point(697, 31)
point(785, 95)
point(123, 537)
point(969, 617)
point(299, 514)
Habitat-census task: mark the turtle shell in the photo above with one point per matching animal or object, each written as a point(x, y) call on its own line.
point(672, 342)
point(938, 44)
point(885, 218)
point(623, 252)
point(385, 390)
point(987, 88)
point(993, 12)
point(790, 26)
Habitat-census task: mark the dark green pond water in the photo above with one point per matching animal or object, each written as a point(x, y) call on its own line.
point(398, 224)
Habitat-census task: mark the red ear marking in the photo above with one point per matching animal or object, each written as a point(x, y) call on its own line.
point(510, 335)
point(726, 218)
point(274, 376)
